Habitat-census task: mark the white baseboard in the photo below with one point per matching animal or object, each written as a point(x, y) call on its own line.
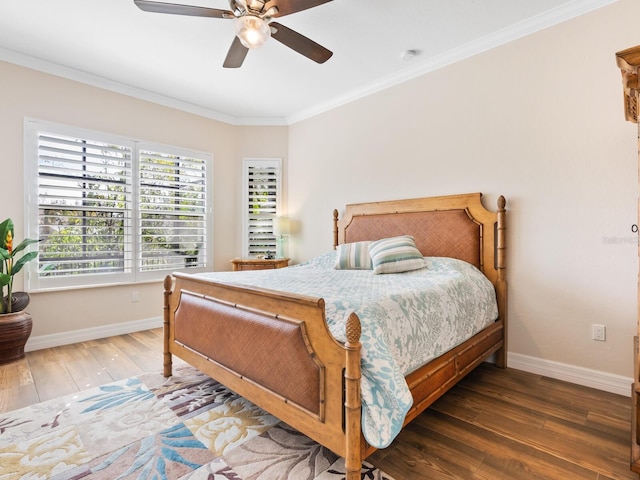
point(607, 382)
point(58, 339)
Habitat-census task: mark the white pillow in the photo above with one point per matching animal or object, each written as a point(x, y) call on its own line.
point(395, 255)
point(353, 256)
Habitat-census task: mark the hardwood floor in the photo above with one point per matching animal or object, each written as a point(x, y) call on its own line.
point(494, 425)
point(508, 424)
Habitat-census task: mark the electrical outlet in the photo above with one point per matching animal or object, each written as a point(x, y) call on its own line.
point(134, 296)
point(599, 332)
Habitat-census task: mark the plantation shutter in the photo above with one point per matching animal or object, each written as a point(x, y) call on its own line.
point(263, 180)
point(173, 211)
point(84, 200)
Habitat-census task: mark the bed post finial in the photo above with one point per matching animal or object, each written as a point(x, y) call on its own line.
point(335, 229)
point(168, 286)
point(353, 329)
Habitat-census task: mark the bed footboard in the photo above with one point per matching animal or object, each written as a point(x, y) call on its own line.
point(275, 350)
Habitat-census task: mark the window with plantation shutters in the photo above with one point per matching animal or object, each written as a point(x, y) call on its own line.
point(261, 205)
point(85, 203)
point(112, 210)
point(172, 211)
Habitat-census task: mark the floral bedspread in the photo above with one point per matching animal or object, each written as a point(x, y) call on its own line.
point(407, 319)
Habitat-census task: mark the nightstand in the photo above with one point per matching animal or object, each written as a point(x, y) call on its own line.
point(258, 263)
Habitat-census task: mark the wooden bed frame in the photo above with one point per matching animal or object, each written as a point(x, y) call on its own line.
point(275, 349)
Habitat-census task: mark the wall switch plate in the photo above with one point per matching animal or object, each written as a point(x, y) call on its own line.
point(599, 332)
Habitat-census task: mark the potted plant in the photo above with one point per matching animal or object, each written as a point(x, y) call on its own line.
point(15, 323)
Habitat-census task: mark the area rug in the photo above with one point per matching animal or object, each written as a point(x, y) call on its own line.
point(188, 427)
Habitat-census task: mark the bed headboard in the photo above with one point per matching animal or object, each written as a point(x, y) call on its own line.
point(457, 226)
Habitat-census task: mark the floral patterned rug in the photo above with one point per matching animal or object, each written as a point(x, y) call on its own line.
point(188, 427)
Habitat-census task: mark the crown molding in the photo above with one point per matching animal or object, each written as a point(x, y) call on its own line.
point(80, 76)
point(501, 37)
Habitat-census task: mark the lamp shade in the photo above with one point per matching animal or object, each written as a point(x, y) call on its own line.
point(252, 31)
point(281, 226)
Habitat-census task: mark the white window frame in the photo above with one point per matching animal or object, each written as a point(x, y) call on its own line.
point(32, 281)
point(247, 164)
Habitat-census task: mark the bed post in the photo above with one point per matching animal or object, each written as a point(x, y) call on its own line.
point(501, 283)
point(335, 229)
point(353, 402)
point(168, 283)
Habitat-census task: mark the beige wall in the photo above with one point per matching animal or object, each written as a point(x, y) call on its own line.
point(539, 120)
point(25, 93)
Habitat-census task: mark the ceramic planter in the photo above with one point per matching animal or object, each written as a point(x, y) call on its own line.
point(15, 329)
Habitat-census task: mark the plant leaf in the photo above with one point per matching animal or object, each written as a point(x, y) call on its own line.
point(24, 244)
point(27, 257)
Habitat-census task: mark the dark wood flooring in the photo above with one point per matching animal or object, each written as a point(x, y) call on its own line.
point(494, 425)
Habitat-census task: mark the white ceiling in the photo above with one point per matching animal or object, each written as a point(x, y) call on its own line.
point(177, 60)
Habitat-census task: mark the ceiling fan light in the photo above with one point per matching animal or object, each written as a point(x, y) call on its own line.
point(252, 31)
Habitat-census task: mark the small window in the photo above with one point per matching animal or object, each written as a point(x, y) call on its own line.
point(113, 210)
point(262, 194)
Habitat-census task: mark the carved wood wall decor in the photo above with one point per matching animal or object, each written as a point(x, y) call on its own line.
point(628, 62)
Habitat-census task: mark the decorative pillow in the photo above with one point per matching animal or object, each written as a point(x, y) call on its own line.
point(353, 256)
point(395, 255)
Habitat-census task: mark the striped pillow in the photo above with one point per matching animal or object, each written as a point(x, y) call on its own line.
point(395, 255)
point(353, 256)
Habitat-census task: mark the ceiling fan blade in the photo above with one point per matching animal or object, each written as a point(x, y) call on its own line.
point(161, 7)
point(300, 43)
point(235, 55)
point(287, 7)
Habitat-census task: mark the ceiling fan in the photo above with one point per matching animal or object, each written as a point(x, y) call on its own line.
point(253, 25)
